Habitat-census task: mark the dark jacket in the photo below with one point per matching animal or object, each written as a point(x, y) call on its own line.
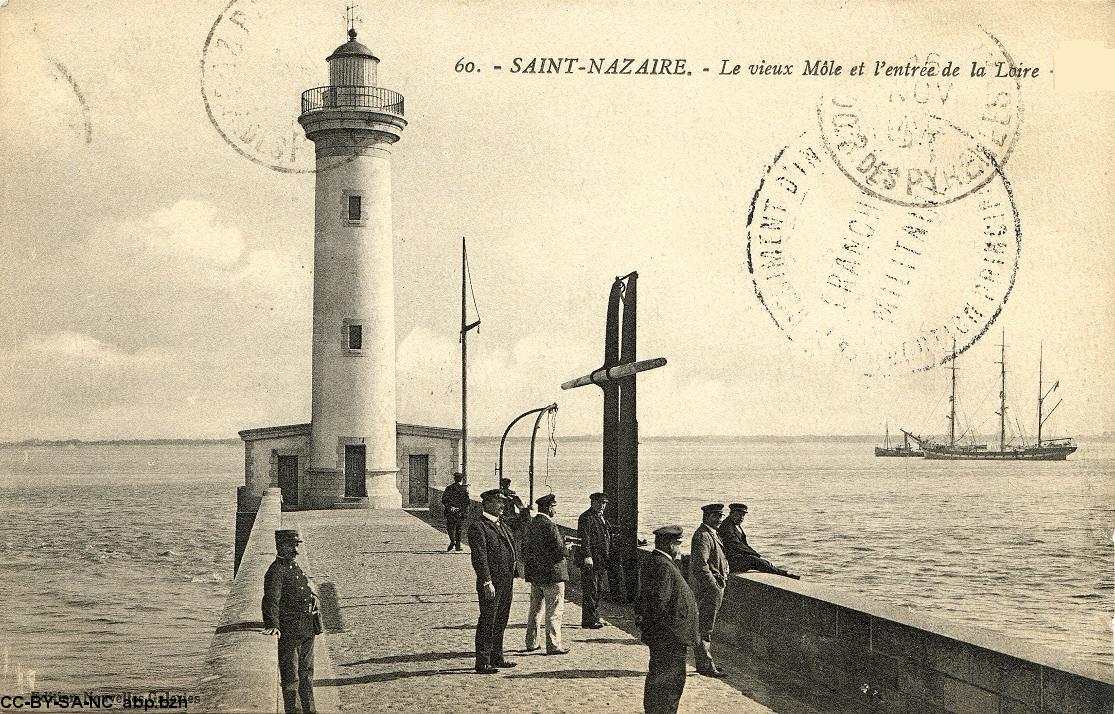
point(287, 599)
point(493, 555)
point(515, 513)
point(456, 497)
point(665, 604)
point(596, 538)
point(735, 546)
point(544, 552)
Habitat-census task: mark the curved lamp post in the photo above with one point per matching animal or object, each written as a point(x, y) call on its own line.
point(530, 472)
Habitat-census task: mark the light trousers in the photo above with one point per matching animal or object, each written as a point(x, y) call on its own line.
point(552, 597)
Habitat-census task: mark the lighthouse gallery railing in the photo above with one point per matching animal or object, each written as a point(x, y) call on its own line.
point(385, 100)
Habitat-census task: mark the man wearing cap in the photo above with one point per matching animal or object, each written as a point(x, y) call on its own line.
point(742, 556)
point(708, 574)
point(667, 615)
point(547, 572)
point(596, 543)
point(515, 516)
point(493, 559)
point(455, 503)
point(291, 611)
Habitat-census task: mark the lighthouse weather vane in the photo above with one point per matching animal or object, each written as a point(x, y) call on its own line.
point(350, 18)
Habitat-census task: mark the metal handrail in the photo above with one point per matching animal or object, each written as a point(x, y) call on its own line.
point(320, 98)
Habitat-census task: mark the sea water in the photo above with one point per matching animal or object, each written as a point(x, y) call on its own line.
point(116, 559)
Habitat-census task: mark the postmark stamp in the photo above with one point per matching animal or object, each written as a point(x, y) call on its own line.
point(929, 135)
point(877, 285)
point(253, 71)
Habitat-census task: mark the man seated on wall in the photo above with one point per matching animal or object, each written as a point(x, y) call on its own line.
point(742, 556)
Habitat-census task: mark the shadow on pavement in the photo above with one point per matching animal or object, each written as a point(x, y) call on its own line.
point(580, 674)
point(386, 677)
point(409, 551)
point(417, 657)
point(330, 609)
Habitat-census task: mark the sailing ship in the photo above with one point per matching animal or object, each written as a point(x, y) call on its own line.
point(898, 450)
point(1040, 450)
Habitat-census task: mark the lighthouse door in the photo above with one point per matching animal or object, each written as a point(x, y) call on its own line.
point(420, 480)
point(288, 479)
point(354, 471)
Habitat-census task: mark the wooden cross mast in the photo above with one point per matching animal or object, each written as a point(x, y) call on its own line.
point(616, 378)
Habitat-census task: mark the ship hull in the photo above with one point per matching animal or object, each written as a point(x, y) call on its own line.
point(881, 451)
point(1045, 453)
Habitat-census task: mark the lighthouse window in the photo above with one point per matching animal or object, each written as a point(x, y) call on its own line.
point(354, 208)
point(355, 336)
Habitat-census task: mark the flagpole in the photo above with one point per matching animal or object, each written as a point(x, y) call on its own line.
point(465, 327)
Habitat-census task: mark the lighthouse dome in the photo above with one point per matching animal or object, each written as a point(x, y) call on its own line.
point(352, 64)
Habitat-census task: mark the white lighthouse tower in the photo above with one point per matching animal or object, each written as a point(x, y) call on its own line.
point(353, 123)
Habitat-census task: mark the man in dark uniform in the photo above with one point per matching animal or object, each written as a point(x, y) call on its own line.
point(708, 574)
point(596, 546)
point(493, 559)
point(291, 611)
point(741, 556)
point(666, 612)
point(455, 503)
point(515, 516)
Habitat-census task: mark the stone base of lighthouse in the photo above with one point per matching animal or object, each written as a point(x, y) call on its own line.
point(381, 489)
point(279, 457)
point(332, 488)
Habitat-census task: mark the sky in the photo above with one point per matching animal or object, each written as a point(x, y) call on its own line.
point(156, 283)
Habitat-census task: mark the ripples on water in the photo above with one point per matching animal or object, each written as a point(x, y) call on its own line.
point(117, 558)
point(116, 562)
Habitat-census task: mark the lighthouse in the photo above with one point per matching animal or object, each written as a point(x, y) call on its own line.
point(353, 124)
point(352, 453)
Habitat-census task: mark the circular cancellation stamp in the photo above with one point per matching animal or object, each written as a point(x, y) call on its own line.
point(878, 285)
point(253, 72)
point(928, 139)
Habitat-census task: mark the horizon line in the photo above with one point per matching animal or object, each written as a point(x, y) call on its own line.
point(37, 441)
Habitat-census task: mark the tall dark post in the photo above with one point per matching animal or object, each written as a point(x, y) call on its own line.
point(465, 327)
point(611, 403)
point(464, 366)
point(616, 378)
point(627, 491)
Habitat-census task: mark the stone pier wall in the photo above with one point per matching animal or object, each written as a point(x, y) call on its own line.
point(241, 672)
point(898, 660)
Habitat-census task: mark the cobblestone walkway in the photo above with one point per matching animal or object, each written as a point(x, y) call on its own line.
point(400, 614)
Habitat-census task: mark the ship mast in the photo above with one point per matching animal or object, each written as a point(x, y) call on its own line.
point(952, 400)
point(1042, 415)
point(1041, 397)
point(1003, 394)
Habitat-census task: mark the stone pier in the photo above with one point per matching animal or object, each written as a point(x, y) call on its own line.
point(400, 614)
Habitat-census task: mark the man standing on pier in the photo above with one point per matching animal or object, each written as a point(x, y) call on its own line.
point(515, 516)
point(455, 503)
point(596, 542)
point(547, 571)
point(493, 559)
point(666, 612)
point(708, 574)
point(291, 611)
point(741, 556)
